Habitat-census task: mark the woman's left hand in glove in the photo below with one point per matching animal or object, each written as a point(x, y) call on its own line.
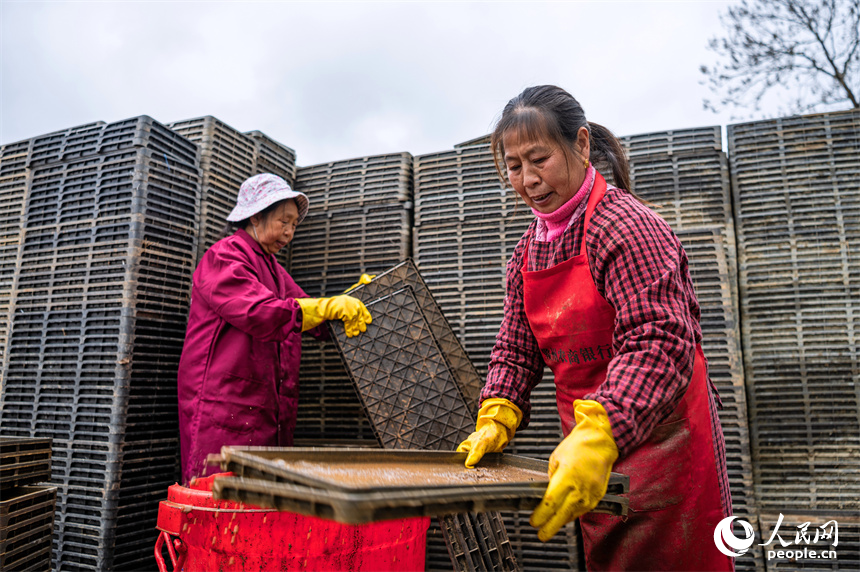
point(578, 470)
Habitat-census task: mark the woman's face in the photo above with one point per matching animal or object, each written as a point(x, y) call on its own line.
point(540, 173)
point(275, 230)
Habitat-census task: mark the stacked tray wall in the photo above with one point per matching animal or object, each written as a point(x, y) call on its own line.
point(695, 141)
point(15, 158)
point(273, 157)
point(332, 249)
point(26, 511)
point(101, 301)
point(13, 186)
point(359, 220)
point(227, 158)
point(374, 180)
point(796, 190)
point(807, 530)
point(105, 139)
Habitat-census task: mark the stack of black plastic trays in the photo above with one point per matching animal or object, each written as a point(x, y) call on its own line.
point(466, 227)
point(100, 305)
point(684, 176)
point(13, 185)
point(796, 190)
point(359, 221)
point(26, 508)
point(227, 158)
point(14, 175)
point(273, 157)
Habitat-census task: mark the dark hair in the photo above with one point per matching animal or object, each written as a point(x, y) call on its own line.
point(549, 111)
point(231, 226)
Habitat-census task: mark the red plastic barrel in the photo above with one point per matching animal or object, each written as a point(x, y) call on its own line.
point(229, 536)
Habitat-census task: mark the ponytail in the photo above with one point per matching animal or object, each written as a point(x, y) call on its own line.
point(607, 149)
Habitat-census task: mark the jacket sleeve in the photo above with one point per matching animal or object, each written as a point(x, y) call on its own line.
point(640, 268)
point(516, 364)
point(231, 287)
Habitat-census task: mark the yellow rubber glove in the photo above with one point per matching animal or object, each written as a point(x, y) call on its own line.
point(498, 420)
point(363, 279)
point(578, 470)
point(351, 310)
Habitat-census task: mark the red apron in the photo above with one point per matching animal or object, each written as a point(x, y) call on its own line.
point(674, 488)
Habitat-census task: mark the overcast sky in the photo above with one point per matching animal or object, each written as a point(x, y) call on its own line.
point(336, 80)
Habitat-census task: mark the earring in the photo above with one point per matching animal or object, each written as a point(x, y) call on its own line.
point(585, 163)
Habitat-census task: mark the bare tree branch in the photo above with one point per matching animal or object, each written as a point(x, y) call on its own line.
point(812, 46)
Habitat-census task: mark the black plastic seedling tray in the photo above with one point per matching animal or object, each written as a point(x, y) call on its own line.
point(406, 274)
point(367, 485)
point(404, 383)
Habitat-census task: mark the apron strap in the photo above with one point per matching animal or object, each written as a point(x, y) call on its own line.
point(594, 198)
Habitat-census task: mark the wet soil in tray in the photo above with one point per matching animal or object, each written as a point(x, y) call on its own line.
point(355, 470)
point(367, 475)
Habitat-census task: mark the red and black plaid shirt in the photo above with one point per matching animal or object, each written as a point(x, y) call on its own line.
point(639, 266)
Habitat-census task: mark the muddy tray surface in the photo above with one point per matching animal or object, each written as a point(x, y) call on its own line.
point(366, 485)
point(357, 469)
point(361, 475)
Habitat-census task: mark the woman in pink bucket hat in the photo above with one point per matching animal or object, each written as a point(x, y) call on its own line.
point(238, 374)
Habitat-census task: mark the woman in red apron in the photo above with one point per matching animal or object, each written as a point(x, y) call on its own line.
point(599, 290)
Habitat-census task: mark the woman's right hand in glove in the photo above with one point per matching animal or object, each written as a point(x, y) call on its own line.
point(351, 310)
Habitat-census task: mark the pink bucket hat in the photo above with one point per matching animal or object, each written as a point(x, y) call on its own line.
point(262, 190)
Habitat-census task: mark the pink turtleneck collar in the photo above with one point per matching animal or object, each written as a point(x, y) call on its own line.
point(551, 225)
